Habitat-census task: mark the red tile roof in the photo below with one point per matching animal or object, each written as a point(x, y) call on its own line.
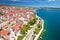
point(24, 11)
point(4, 32)
point(11, 20)
point(20, 23)
point(17, 26)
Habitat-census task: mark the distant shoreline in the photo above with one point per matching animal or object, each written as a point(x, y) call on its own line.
point(52, 8)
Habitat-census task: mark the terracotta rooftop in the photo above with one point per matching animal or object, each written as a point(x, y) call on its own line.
point(4, 32)
point(18, 26)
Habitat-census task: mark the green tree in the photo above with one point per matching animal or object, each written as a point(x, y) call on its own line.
point(25, 29)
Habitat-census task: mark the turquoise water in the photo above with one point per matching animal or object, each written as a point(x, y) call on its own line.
point(52, 23)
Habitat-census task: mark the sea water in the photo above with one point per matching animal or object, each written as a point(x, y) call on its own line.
point(52, 23)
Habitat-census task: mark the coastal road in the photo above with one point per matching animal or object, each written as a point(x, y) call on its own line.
point(30, 33)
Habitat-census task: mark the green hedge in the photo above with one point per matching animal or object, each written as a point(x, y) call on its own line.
point(25, 29)
point(21, 37)
point(32, 21)
point(39, 26)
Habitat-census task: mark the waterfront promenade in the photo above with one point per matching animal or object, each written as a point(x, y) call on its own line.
point(37, 36)
point(30, 33)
